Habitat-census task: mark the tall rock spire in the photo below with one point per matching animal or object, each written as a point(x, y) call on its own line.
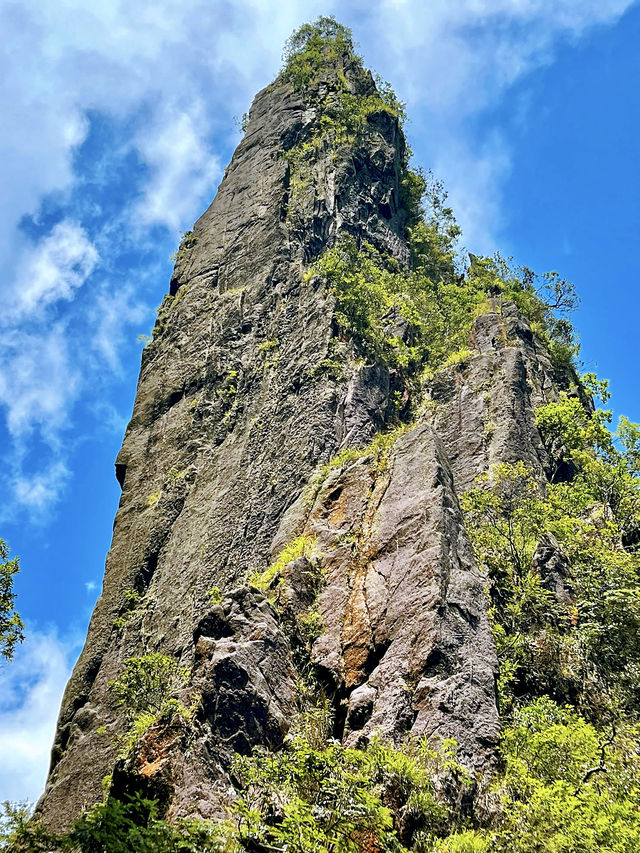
point(246, 393)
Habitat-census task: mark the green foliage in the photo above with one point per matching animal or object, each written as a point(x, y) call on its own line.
point(460, 356)
point(303, 622)
point(132, 825)
point(242, 123)
point(413, 186)
point(566, 788)
point(546, 300)
point(375, 301)
point(582, 647)
point(378, 450)
point(11, 626)
point(344, 122)
point(312, 47)
point(315, 795)
point(20, 833)
point(131, 601)
point(215, 594)
point(228, 390)
point(310, 625)
point(268, 346)
point(318, 53)
point(301, 546)
point(166, 308)
point(598, 388)
point(433, 239)
point(415, 320)
point(628, 440)
point(147, 682)
point(163, 315)
point(187, 242)
point(144, 691)
point(387, 94)
point(569, 431)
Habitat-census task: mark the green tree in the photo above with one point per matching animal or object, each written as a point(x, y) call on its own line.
point(11, 626)
point(147, 682)
point(131, 825)
point(566, 788)
point(578, 642)
point(316, 796)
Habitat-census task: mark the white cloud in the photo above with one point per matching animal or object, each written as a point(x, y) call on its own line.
point(473, 176)
point(57, 266)
point(182, 167)
point(31, 688)
point(40, 490)
point(190, 63)
point(109, 314)
point(38, 378)
point(451, 61)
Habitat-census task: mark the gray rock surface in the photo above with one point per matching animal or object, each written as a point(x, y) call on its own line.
point(484, 408)
point(406, 644)
point(232, 419)
point(552, 564)
point(225, 431)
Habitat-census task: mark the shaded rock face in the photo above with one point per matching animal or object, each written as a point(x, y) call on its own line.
point(484, 408)
point(231, 419)
point(552, 565)
point(245, 688)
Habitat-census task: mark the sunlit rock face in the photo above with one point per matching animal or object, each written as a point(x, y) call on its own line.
point(233, 418)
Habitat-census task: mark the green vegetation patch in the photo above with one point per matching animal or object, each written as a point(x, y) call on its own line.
point(301, 546)
point(579, 645)
point(343, 117)
point(144, 689)
point(11, 625)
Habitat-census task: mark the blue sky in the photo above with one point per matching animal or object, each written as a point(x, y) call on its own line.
point(118, 122)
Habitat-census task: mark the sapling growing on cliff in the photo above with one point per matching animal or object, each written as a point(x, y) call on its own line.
point(144, 691)
point(147, 683)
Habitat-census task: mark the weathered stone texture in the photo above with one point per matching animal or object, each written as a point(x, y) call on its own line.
point(229, 418)
point(484, 408)
point(406, 641)
point(230, 421)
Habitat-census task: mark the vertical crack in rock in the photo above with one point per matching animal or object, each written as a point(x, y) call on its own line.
point(406, 634)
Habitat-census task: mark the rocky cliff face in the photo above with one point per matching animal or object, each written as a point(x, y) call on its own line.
point(224, 463)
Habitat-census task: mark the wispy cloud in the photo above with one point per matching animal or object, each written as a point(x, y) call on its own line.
point(56, 266)
point(452, 61)
point(37, 377)
point(38, 491)
point(31, 689)
point(182, 166)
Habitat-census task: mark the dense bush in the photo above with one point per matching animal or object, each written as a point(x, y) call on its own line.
point(415, 319)
point(567, 787)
